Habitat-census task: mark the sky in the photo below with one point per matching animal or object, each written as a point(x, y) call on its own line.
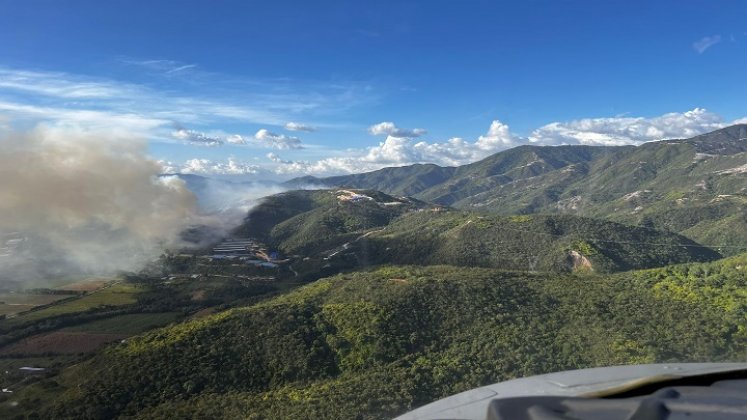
point(274, 90)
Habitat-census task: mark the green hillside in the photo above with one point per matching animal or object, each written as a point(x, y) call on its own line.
point(373, 344)
point(345, 234)
point(526, 243)
point(697, 186)
point(408, 180)
point(306, 220)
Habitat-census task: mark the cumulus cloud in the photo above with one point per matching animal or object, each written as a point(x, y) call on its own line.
point(294, 126)
point(390, 129)
point(236, 139)
point(197, 138)
point(262, 138)
point(396, 150)
point(399, 151)
point(230, 166)
point(705, 43)
point(277, 159)
point(618, 131)
point(612, 131)
point(277, 141)
point(327, 166)
point(498, 137)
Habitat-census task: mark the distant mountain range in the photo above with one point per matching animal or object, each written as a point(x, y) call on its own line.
point(696, 187)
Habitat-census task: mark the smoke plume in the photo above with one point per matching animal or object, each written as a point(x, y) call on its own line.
point(74, 200)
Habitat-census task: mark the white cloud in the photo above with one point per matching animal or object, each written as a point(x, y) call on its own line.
point(236, 139)
point(705, 43)
point(277, 159)
point(229, 100)
point(294, 126)
point(618, 131)
point(230, 166)
point(60, 85)
point(277, 141)
point(327, 166)
point(455, 151)
point(120, 123)
point(263, 138)
point(390, 129)
point(196, 138)
point(498, 137)
point(163, 66)
point(399, 151)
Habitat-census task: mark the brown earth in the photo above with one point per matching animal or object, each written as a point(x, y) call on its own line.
point(579, 261)
point(85, 285)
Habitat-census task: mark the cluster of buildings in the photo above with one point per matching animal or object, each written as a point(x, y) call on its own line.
point(246, 251)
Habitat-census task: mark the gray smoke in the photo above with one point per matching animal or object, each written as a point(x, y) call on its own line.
point(72, 200)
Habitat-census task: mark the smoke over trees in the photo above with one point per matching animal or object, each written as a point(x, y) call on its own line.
point(85, 201)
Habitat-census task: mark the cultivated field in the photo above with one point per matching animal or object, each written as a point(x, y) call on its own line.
point(13, 303)
point(59, 343)
point(129, 324)
point(117, 294)
point(87, 285)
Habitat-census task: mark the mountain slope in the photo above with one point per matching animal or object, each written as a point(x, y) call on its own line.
point(373, 344)
point(307, 220)
point(407, 180)
point(702, 180)
point(528, 243)
point(330, 230)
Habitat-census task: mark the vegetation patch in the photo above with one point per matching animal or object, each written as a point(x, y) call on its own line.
point(60, 343)
point(129, 324)
point(584, 248)
point(358, 345)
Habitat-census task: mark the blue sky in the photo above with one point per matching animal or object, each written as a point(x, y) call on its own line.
point(213, 85)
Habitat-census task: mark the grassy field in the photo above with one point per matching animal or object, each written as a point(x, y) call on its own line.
point(129, 324)
point(13, 303)
point(117, 294)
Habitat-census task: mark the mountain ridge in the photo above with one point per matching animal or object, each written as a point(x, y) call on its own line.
point(638, 185)
point(327, 227)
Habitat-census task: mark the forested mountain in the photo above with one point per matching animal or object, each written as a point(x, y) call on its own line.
point(697, 186)
point(376, 228)
point(316, 220)
point(373, 344)
point(405, 180)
